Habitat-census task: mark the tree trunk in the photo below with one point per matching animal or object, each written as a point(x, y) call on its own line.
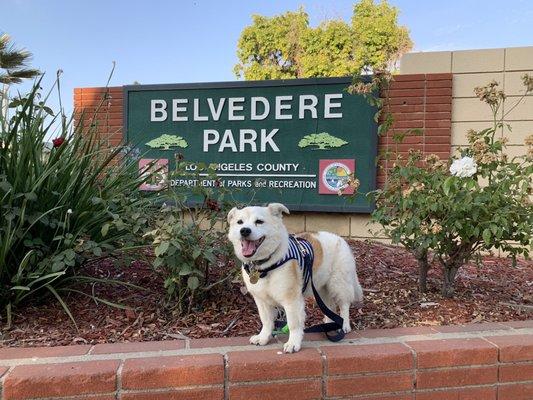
point(460, 254)
point(449, 272)
point(4, 105)
point(423, 268)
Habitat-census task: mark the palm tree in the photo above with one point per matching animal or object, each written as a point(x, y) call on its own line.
point(13, 62)
point(13, 69)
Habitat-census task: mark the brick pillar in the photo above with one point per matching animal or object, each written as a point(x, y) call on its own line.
point(422, 101)
point(101, 107)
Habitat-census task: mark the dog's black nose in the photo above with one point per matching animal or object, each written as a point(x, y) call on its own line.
point(245, 232)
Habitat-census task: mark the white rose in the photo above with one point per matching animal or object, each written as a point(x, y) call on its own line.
point(464, 167)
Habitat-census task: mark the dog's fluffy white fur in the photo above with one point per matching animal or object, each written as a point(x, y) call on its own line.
point(334, 271)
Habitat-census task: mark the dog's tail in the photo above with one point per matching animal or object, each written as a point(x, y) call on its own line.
point(358, 290)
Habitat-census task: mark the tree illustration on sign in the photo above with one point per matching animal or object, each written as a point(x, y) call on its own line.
point(323, 141)
point(165, 142)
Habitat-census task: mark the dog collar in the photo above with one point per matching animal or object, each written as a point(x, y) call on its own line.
point(256, 264)
point(259, 262)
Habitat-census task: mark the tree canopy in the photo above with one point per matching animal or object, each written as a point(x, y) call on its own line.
point(285, 46)
point(270, 47)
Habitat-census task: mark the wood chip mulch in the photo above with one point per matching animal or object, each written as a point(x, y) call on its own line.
point(494, 291)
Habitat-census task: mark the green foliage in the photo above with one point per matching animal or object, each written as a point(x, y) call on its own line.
point(58, 206)
point(479, 203)
point(379, 40)
point(13, 62)
point(285, 46)
point(188, 240)
point(270, 47)
point(323, 141)
point(165, 142)
point(64, 205)
point(329, 51)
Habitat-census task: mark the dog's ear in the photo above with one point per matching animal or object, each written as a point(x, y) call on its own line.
point(231, 214)
point(277, 209)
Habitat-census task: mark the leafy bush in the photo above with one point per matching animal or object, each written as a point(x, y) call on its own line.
point(482, 201)
point(60, 205)
point(188, 238)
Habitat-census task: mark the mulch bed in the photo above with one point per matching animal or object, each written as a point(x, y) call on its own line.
point(387, 273)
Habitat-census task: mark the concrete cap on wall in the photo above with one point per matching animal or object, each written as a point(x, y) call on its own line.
point(426, 62)
point(468, 61)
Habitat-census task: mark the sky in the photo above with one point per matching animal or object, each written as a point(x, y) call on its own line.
point(195, 41)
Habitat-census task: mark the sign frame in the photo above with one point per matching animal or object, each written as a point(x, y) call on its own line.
point(345, 208)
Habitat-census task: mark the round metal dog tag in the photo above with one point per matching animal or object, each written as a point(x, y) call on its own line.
point(254, 276)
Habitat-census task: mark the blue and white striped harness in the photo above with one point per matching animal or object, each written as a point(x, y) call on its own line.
point(299, 250)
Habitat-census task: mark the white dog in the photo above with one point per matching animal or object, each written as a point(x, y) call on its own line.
point(261, 240)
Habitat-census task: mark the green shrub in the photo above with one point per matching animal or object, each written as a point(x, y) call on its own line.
point(189, 238)
point(60, 205)
point(482, 201)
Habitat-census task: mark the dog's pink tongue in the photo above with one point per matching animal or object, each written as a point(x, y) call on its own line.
point(248, 248)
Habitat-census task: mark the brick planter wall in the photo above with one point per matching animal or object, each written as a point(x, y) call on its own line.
point(473, 362)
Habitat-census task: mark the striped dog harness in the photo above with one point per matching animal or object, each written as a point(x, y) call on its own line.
point(299, 250)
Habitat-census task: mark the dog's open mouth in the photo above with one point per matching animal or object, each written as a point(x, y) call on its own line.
point(249, 247)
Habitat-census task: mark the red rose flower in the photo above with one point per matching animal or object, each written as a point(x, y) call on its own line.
point(213, 205)
point(58, 142)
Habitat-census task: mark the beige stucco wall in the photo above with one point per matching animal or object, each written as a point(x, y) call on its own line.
point(473, 68)
point(348, 225)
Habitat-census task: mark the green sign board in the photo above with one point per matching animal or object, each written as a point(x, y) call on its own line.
point(296, 142)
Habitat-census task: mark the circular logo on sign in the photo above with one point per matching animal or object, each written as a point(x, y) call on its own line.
point(335, 176)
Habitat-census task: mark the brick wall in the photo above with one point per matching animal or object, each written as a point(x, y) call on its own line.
point(473, 362)
point(101, 107)
point(422, 101)
point(416, 101)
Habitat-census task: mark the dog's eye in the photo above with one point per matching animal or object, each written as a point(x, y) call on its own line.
point(239, 222)
point(259, 221)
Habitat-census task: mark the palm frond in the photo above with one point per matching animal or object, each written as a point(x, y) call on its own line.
point(26, 73)
point(4, 41)
point(5, 79)
point(14, 62)
point(12, 59)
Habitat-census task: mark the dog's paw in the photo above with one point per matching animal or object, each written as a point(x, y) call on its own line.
point(346, 327)
point(291, 347)
point(259, 340)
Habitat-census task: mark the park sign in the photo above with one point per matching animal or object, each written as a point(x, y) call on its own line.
point(295, 141)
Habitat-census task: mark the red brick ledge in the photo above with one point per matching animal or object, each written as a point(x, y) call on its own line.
point(478, 361)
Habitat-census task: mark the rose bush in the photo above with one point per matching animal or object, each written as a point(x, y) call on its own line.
point(188, 235)
point(454, 209)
